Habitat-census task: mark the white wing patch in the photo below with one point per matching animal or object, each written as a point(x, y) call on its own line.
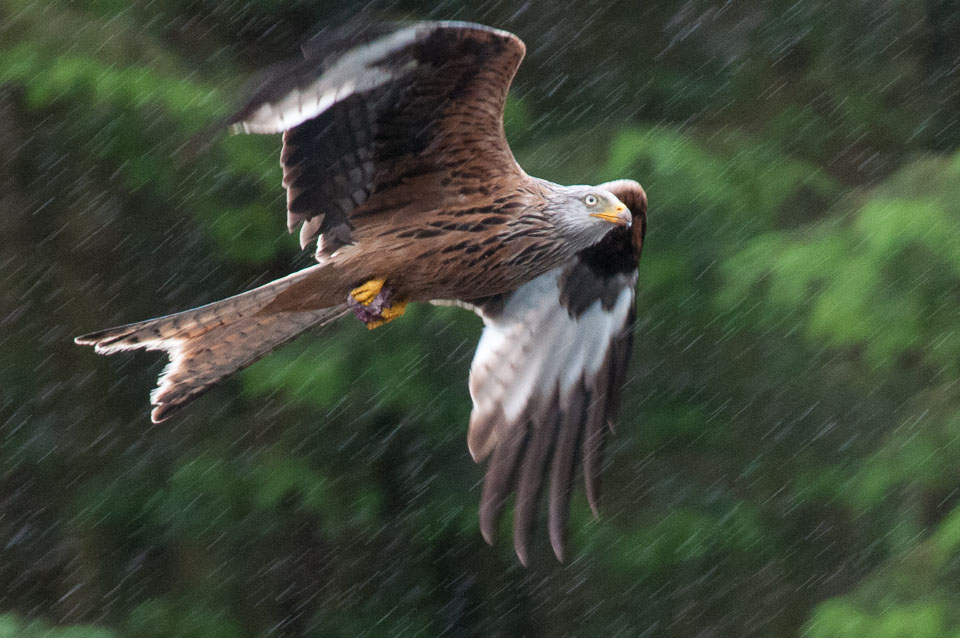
point(534, 351)
point(359, 70)
point(355, 72)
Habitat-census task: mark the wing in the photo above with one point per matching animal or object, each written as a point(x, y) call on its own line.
point(544, 382)
point(546, 378)
point(393, 117)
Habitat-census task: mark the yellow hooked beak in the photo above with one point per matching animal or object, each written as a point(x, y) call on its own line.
point(618, 215)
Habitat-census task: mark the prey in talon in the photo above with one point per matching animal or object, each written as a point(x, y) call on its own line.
point(373, 303)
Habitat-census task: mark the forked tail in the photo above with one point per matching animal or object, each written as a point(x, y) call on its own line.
point(209, 343)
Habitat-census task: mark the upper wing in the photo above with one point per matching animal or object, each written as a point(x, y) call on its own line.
point(546, 378)
point(391, 117)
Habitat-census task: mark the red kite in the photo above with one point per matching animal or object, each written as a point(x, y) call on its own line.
point(395, 161)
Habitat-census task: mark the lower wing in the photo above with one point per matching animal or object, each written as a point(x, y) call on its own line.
point(545, 381)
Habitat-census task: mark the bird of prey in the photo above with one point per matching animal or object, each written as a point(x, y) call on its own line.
point(395, 162)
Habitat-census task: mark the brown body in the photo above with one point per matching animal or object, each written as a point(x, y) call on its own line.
point(395, 162)
point(457, 252)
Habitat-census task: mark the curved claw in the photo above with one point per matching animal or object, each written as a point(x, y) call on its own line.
point(388, 314)
point(366, 292)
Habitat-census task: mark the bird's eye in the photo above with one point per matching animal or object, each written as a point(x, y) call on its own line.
point(591, 200)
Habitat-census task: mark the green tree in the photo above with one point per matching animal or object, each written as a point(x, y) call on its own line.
point(786, 455)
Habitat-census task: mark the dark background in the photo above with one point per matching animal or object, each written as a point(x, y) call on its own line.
point(787, 457)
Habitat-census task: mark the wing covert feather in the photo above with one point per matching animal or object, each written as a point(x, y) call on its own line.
point(367, 122)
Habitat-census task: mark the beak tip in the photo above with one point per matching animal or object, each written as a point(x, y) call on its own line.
point(624, 218)
point(619, 216)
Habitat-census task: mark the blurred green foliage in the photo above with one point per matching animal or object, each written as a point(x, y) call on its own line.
point(787, 458)
point(12, 627)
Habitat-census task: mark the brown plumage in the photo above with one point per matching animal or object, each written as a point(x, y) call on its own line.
point(395, 162)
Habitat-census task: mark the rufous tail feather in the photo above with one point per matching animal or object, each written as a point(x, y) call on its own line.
point(209, 343)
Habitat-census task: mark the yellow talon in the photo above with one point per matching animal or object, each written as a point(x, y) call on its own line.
point(396, 310)
point(368, 291)
point(388, 314)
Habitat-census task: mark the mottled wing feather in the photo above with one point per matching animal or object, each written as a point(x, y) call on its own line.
point(546, 378)
point(367, 126)
point(540, 383)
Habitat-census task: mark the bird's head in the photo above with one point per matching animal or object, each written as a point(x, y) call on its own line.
point(585, 214)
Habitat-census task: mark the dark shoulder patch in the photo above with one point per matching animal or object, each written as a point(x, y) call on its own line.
point(599, 272)
point(604, 269)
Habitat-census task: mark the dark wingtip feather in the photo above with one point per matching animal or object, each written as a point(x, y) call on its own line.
point(533, 470)
point(559, 543)
point(521, 549)
point(487, 530)
point(559, 515)
point(501, 470)
point(491, 508)
point(558, 529)
point(564, 465)
point(592, 452)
